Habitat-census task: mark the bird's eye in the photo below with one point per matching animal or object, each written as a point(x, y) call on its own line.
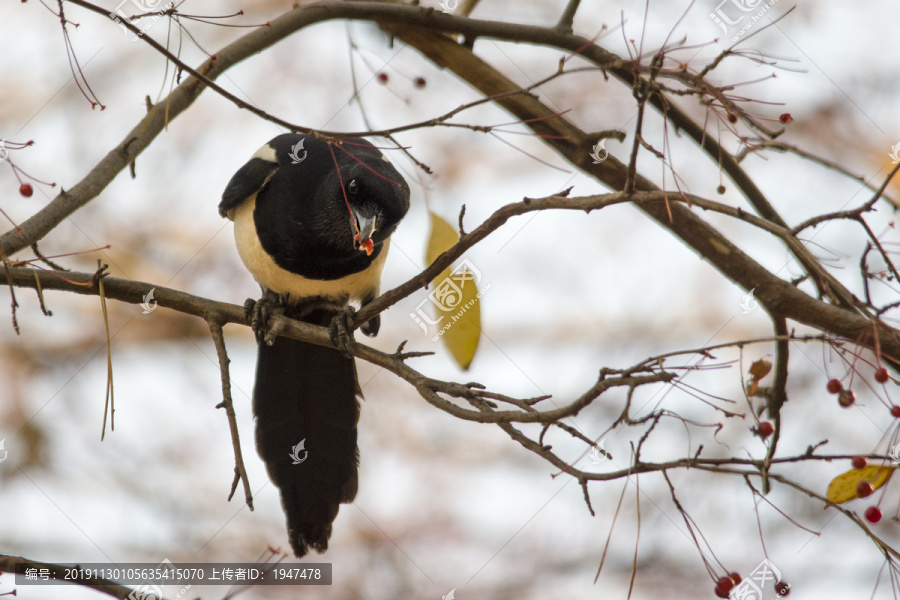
point(353, 187)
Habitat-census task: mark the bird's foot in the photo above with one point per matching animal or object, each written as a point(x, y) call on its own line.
point(341, 329)
point(257, 314)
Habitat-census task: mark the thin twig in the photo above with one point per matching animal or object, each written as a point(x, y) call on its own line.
point(240, 473)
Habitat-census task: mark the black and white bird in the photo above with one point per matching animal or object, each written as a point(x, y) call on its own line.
point(312, 224)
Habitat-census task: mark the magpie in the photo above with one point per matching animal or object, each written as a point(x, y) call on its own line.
point(312, 224)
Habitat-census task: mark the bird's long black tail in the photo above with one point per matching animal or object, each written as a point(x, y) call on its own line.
point(307, 394)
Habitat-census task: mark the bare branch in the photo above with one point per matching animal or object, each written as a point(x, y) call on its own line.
point(240, 473)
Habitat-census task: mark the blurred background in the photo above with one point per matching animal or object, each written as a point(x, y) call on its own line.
point(443, 504)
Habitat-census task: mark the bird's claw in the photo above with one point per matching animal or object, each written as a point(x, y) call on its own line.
point(250, 315)
point(257, 314)
point(341, 329)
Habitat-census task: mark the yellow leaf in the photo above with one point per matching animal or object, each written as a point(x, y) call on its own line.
point(442, 237)
point(843, 487)
point(455, 296)
point(461, 324)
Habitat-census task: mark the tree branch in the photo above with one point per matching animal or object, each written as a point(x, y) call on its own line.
point(240, 473)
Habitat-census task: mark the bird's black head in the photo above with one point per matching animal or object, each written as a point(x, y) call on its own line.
point(320, 204)
point(361, 199)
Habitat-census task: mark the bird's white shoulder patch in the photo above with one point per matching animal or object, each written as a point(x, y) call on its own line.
point(266, 153)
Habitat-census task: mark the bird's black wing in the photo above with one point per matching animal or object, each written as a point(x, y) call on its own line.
point(248, 180)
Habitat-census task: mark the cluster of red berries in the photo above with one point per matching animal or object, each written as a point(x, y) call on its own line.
point(865, 489)
point(846, 398)
point(725, 584)
point(382, 77)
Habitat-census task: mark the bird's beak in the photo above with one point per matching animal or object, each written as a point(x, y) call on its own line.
point(366, 227)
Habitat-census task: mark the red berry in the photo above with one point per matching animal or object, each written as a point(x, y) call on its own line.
point(732, 118)
point(26, 190)
point(873, 514)
point(723, 586)
point(382, 77)
point(765, 429)
point(782, 588)
point(895, 411)
point(419, 82)
point(785, 118)
point(834, 386)
point(863, 489)
point(859, 462)
point(881, 375)
point(846, 398)
point(213, 58)
point(720, 190)
point(736, 578)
